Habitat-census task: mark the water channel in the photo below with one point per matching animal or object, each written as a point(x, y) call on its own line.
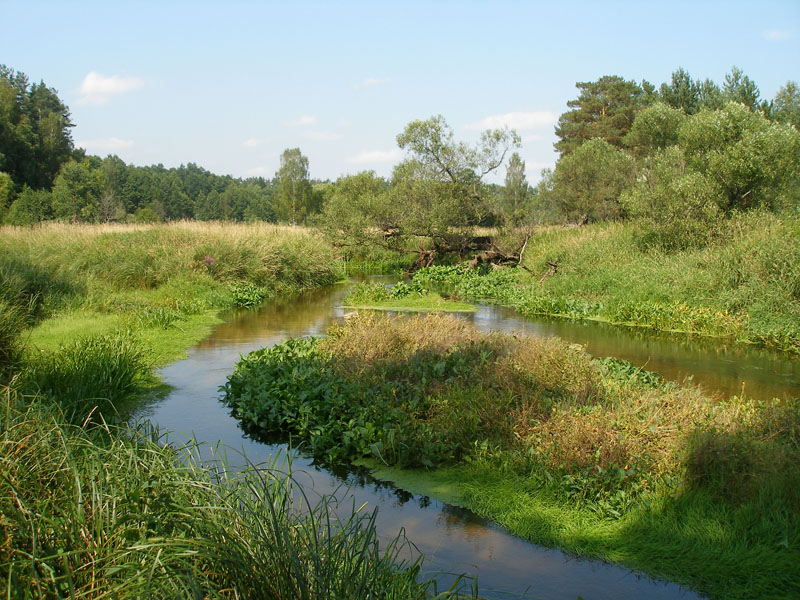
point(455, 541)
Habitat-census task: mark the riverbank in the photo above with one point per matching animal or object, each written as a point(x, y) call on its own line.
point(598, 457)
point(744, 286)
point(90, 507)
point(165, 283)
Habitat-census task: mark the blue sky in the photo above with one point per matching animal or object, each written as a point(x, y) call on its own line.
point(230, 85)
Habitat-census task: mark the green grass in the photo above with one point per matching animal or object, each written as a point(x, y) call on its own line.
point(120, 513)
point(165, 283)
point(595, 456)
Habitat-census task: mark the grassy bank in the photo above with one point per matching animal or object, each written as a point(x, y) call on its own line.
point(745, 285)
point(401, 297)
point(164, 283)
point(592, 455)
point(91, 508)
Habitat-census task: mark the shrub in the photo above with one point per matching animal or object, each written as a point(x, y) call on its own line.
point(679, 209)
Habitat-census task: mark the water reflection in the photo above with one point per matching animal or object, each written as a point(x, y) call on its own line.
point(719, 366)
point(453, 540)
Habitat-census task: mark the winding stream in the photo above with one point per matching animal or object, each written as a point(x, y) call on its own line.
point(453, 540)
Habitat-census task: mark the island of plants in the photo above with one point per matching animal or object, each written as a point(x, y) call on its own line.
point(596, 456)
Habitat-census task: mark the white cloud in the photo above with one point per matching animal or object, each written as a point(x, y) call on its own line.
point(98, 89)
point(105, 144)
point(321, 136)
point(252, 143)
point(373, 157)
point(369, 82)
point(516, 120)
point(776, 34)
point(302, 121)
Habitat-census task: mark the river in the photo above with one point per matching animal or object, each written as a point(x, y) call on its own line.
point(453, 540)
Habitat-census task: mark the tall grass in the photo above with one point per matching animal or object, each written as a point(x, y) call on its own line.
point(108, 513)
point(111, 279)
point(89, 378)
point(146, 257)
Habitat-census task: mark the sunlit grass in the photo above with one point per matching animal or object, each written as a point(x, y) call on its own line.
point(120, 513)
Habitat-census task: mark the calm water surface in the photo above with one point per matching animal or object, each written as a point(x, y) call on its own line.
point(453, 540)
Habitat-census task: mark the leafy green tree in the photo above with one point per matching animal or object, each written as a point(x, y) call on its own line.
point(76, 192)
point(136, 189)
point(31, 206)
point(786, 107)
point(294, 198)
point(604, 109)
point(440, 183)
point(738, 87)
point(145, 215)
point(6, 193)
point(543, 208)
point(35, 137)
point(436, 196)
point(691, 96)
point(681, 93)
point(654, 128)
point(589, 181)
point(360, 211)
point(259, 204)
point(679, 207)
point(515, 193)
point(711, 95)
point(208, 207)
point(756, 162)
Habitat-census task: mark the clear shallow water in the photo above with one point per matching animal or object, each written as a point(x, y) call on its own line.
point(453, 540)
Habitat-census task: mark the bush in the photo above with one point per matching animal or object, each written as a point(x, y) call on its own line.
point(678, 209)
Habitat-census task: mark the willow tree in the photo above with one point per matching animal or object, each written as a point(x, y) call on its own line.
point(435, 197)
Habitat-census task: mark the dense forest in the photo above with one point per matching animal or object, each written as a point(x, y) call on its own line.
point(689, 148)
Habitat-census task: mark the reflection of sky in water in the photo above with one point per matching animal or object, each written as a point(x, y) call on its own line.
point(452, 539)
